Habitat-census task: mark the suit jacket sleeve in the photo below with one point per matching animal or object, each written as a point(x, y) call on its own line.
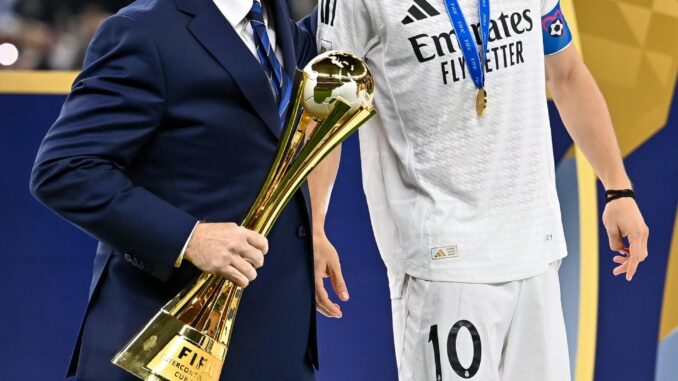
point(304, 37)
point(115, 107)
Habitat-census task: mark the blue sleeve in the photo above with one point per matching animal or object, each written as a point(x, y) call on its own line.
point(304, 36)
point(556, 33)
point(115, 107)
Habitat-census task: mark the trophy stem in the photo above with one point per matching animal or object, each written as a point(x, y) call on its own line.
point(185, 296)
point(283, 150)
point(226, 294)
point(311, 155)
point(194, 305)
point(206, 321)
point(231, 311)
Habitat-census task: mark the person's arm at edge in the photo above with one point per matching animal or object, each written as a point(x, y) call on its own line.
point(587, 119)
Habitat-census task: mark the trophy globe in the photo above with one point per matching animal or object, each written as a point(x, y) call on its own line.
point(332, 76)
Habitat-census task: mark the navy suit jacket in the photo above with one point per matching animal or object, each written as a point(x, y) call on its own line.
point(172, 121)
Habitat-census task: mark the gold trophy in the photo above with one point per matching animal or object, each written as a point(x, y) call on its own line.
point(188, 339)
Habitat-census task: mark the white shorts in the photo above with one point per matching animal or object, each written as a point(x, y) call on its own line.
point(512, 331)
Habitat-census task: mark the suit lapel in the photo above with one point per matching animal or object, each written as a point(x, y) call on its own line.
point(217, 36)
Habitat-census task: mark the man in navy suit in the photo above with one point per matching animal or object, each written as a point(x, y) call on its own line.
point(158, 153)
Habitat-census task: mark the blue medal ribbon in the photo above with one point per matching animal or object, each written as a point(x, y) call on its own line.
point(475, 61)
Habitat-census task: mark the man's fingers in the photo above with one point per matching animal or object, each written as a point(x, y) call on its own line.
point(320, 309)
point(331, 310)
point(632, 267)
point(323, 300)
point(253, 255)
point(245, 268)
point(620, 269)
point(637, 250)
point(257, 240)
point(638, 246)
point(616, 241)
point(620, 259)
point(323, 310)
point(235, 276)
point(338, 282)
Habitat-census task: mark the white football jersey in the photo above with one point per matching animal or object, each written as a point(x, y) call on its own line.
point(454, 196)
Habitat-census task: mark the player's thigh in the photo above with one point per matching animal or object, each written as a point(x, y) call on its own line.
point(455, 331)
point(536, 348)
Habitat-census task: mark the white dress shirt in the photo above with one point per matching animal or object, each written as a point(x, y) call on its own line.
point(235, 11)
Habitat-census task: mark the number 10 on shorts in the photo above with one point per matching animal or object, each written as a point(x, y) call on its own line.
point(452, 355)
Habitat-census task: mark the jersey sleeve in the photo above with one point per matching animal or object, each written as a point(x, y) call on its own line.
point(555, 31)
point(345, 25)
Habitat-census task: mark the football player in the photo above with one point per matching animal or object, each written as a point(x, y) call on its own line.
point(458, 171)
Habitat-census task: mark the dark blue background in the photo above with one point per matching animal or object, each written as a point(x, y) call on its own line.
point(629, 312)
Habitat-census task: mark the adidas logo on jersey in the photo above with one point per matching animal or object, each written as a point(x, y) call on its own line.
point(420, 10)
point(444, 252)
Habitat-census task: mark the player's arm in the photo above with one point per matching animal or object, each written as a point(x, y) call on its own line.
point(342, 25)
point(326, 258)
point(587, 119)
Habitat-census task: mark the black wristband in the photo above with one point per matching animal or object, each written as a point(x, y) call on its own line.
point(612, 194)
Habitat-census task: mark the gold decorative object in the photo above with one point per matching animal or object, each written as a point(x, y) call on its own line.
point(189, 338)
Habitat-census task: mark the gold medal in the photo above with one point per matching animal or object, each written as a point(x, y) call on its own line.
point(481, 102)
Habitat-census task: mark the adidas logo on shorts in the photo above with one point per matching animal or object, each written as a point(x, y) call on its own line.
point(423, 11)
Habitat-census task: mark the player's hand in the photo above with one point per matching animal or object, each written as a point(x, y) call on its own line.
point(228, 250)
point(327, 266)
point(622, 219)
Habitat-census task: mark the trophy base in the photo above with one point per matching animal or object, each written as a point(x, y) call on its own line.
point(169, 350)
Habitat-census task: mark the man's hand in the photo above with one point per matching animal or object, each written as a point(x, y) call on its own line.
point(622, 219)
point(327, 265)
point(228, 250)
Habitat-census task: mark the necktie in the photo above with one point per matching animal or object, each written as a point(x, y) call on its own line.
point(282, 84)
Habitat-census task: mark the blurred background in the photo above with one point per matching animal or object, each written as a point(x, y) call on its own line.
point(617, 331)
point(53, 35)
